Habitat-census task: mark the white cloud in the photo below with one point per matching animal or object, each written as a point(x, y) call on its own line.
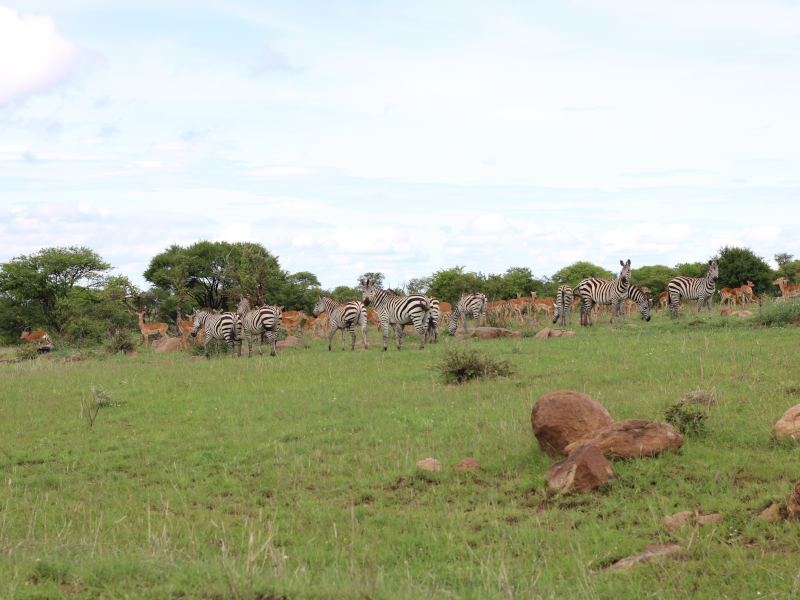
point(33, 57)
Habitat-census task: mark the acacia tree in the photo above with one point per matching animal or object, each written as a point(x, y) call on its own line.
point(39, 285)
point(573, 274)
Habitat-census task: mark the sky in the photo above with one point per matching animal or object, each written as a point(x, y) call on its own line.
point(401, 137)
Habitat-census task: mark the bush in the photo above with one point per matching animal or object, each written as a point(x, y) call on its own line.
point(686, 417)
point(27, 351)
point(119, 340)
point(777, 314)
point(458, 366)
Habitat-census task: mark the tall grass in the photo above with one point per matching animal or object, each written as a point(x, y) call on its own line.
point(296, 475)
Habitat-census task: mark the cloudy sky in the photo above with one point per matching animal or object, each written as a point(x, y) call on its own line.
point(401, 137)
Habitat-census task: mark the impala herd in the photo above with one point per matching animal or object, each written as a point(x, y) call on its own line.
point(500, 311)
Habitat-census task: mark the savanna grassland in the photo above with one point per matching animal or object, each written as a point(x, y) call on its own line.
point(295, 476)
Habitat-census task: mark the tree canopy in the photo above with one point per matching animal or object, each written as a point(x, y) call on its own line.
point(738, 265)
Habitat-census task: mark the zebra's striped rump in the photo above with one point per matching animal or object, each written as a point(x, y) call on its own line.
point(219, 326)
point(563, 308)
point(693, 288)
point(396, 311)
point(469, 305)
point(259, 322)
point(594, 290)
point(344, 316)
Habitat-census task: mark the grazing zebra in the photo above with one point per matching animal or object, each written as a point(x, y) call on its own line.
point(219, 326)
point(469, 305)
point(693, 288)
point(563, 309)
point(344, 316)
point(433, 321)
point(636, 294)
point(397, 311)
point(258, 322)
point(594, 290)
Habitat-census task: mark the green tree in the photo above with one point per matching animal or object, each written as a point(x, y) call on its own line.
point(574, 273)
point(39, 284)
point(345, 293)
point(655, 277)
point(790, 270)
point(695, 269)
point(783, 258)
point(738, 265)
point(448, 285)
point(375, 276)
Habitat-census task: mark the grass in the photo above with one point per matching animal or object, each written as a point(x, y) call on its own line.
point(295, 476)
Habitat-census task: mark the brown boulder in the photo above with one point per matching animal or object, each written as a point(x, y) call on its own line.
point(560, 418)
point(632, 437)
point(709, 519)
point(430, 464)
point(468, 464)
point(170, 344)
point(654, 552)
point(582, 471)
point(772, 513)
point(679, 520)
point(788, 426)
point(543, 334)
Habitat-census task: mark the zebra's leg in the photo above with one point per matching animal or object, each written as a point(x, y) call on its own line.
point(352, 337)
point(385, 328)
point(422, 328)
point(364, 334)
point(205, 345)
point(398, 333)
point(238, 340)
point(344, 332)
point(249, 337)
point(331, 333)
point(260, 341)
point(273, 339)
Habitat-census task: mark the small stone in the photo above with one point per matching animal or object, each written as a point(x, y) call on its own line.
point(788, 426)
point(709, 519)
point(679, 520)
point(468, 464)
point(543, 334)
point(583, 470)
point(654, 552)
point(771, 514)
point(430, 464)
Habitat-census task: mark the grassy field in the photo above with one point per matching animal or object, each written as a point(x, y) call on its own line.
point(295, 476)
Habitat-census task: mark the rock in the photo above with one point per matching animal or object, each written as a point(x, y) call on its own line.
point(793, 503)
point(709, 519)
point(567, 333)
point(468, 464)
point(788, 426)
point(583, 470)
point(490, 333)
point(430, 464)
point(170, 344)
point(560, 418)
point(289, 342)
point(543, 334)
point(653, 552)
point(556, 332)
point(772, 513)
point(632, 437)
point(679, 520)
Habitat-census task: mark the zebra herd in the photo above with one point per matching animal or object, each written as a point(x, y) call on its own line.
point(421, 311)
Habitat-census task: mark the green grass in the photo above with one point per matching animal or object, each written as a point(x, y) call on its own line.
point(296, 475)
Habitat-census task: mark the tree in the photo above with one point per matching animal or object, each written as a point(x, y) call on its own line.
point(377, 277)
point(783, 258)
point(574, 273)
point(344, 293)
point(655, 277)
point(39, 284)
point(695, 269)
point(790, 270)
point(738, 265)
point(448, 285)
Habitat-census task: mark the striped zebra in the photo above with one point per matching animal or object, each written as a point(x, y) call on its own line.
point(469, 305)
point(344, 316)
point(219, 326)
point(258, 322)
point(434, 316)
point(563, 308)
point(636, 294)
point(396, 311)
point(693, 288)
point(594, 290)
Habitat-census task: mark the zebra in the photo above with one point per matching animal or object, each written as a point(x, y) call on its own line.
point(563, 308)
point(219, 326)
point(344, 316)
point(433, 320)
point(396, 311)
point(693, 288)
point(260, 321)
point(469, 305)
point(594, 290)
point(636, 294)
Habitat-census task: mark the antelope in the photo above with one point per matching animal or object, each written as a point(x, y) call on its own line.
point(728, 294)
point(35, 337)
point(185, 327)
point(545, 304)
point(746, 292)
point(789, 290)
point(292, 318)
point(149, 329)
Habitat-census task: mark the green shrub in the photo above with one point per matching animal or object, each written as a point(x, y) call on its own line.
point(686, 417)
point(119, 340)
point(776, 314)
point(27, 351)
point(458, 366)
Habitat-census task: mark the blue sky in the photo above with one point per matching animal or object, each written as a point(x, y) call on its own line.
point(401, 137)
